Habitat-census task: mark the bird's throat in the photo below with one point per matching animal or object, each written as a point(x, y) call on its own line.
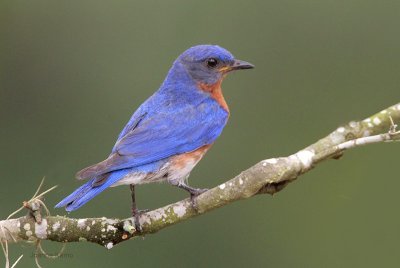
point(215, 91)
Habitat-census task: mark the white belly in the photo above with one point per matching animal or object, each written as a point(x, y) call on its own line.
point(176, 170)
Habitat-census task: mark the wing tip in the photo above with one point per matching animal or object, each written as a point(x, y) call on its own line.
point(80, 175)
point(113, 162)
point(88, 172)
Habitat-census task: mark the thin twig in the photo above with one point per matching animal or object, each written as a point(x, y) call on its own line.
point(16, 262)
point(39, 245)
point(4, 246)
point(38, 189)
point(5, 251)
point(33, 198)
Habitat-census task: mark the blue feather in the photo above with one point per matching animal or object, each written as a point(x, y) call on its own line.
point(86, 192)
point(163, 133)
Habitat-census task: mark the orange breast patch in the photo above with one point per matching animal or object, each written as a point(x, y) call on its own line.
point(216, 93)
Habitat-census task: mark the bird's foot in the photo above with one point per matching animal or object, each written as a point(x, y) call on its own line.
point(194, 192)
point(136, 213)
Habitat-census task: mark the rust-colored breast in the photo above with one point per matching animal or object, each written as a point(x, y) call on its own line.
point(216, 93)
point(180, 161)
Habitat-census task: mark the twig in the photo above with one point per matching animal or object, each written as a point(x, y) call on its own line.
point(16, 262)
point(33, 205)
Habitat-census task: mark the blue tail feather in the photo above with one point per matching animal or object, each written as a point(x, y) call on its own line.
point(76, 194)
point(87, 191)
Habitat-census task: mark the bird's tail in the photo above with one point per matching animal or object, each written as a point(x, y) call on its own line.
point(88, 191)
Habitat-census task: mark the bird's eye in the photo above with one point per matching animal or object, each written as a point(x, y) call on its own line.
point(212, 62)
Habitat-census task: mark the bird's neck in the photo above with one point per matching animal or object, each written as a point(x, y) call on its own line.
point(179, 78)
point(215, 91)
point(178, 74)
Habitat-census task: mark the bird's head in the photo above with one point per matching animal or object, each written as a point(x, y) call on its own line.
point(208, 64)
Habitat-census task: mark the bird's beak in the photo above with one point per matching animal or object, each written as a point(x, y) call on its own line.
point(240, 64)
point(237, 65)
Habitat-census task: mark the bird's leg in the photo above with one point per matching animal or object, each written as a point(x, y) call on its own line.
point(135, 212)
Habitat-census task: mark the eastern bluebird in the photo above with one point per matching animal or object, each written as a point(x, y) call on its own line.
point(170, 132)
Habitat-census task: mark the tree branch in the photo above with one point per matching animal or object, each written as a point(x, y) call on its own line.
point(268, 176)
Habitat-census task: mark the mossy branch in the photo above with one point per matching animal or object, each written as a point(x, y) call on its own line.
point(268, 176)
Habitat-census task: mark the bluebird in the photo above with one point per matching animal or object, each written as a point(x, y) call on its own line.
point(170, 132)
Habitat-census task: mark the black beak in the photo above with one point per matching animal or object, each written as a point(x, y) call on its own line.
point(240, 65)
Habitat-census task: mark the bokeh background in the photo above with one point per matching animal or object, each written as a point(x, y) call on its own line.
point(72, 72)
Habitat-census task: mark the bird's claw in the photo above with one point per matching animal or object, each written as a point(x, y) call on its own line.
point(197, 191)
point(193, 194)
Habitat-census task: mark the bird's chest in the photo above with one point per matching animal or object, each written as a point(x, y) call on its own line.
point(215, 92)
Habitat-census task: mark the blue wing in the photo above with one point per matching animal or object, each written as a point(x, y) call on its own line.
point(150, 137)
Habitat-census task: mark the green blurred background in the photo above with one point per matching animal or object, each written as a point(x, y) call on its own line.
point(72, 73)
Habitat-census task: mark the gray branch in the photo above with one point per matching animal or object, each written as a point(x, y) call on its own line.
point(268, 176)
